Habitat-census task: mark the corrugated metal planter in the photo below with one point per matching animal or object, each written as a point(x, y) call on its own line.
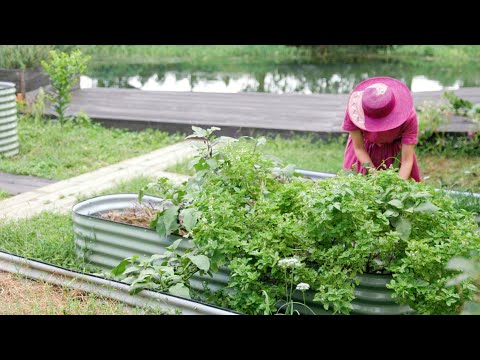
point(371, 298)
point(104, 243)
point(8, 120)
point(111, 289)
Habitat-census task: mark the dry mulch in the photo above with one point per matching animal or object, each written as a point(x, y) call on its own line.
point(139, 215)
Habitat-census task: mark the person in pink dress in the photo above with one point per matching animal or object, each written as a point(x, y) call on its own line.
point(383, 127)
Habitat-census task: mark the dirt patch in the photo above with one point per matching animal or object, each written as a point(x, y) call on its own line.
point(20, 296)
point(139, 215)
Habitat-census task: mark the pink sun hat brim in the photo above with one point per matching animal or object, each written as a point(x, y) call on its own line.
point(399, 114)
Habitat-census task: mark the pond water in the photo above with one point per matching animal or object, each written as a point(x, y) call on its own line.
point(278, 79)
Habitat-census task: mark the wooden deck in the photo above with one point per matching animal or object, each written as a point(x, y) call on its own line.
point(241, 113)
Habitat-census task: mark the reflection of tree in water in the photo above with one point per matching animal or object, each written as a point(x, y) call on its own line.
point(324, 78)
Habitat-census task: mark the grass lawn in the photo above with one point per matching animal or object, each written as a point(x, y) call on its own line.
point(49, 237)
point(52, 151)
point(3, 194)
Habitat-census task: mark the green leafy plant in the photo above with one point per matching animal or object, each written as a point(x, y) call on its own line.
point(249, 211)
point(64, 70)
point(168, 272)
point(469, 268)
point(291, 306)
point(460, 106)
point(23, 56)
point(433, 141)
point(175, 214)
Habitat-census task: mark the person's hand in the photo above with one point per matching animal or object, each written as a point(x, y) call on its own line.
point(372, 171)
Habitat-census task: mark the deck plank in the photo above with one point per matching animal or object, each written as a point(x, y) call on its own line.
point(177, 111)
point(17, 184)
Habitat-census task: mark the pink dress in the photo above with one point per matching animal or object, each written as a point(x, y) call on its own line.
point(384, 145)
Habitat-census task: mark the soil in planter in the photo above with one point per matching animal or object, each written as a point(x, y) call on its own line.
point(139, 215)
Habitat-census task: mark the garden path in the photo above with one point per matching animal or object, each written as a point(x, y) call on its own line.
point(62, 195)
point(17, 184)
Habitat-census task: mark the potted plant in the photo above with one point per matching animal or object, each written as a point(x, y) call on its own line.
point(358, 244)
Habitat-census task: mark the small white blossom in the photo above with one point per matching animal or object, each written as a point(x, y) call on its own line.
point(289, 263)
point(303, 287)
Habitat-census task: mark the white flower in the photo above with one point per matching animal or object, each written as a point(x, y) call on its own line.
point(289, 263)
point(303, 286)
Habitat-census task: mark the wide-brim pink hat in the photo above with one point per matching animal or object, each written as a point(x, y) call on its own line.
point(380, 104)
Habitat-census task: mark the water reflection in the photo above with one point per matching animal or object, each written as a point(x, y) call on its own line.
point(305, 79)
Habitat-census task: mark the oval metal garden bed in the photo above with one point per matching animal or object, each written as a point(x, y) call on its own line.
point(105, 243)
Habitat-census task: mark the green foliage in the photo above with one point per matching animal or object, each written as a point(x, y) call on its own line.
point(348, 52)
point(37, 109)
point(251, 212)
point(23, 56)
point(432, 115)
point(390, 226)
point(463, 107)
point(4, 194)
point(64, 70)
point(469, 268)
point(168, 272)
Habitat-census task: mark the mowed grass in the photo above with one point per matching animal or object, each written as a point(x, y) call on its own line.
point(4, 194)
point(47, 237)
point(52, 151)
point(451, 172)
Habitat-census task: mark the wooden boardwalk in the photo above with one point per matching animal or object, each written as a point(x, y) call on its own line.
point(17, 184)
point(241, 113)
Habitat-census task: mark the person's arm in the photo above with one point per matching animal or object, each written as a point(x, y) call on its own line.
point(359, 147)
point(409, 140)
point(408, 152)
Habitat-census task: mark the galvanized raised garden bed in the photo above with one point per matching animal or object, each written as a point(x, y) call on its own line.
point(8, 120)
point(104, 243)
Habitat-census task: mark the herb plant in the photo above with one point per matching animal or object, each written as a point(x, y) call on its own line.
point(248, 211)
point(469, 268)
point(167, 272)
point(64, 70)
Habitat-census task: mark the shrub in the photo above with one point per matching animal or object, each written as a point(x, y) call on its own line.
point(23, 56)
point(64, 70)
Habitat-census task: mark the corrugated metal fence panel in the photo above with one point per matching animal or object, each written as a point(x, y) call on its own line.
point(8, 120)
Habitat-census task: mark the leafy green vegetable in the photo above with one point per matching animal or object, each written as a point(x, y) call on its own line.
point(248, 211)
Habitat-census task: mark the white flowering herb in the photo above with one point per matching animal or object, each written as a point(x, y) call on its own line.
point(289, 263)
point(303, 287)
